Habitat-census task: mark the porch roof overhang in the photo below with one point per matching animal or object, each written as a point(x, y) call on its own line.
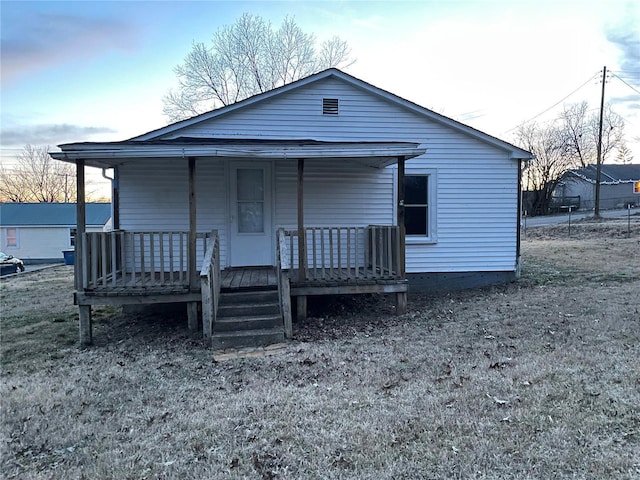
point(111, 154)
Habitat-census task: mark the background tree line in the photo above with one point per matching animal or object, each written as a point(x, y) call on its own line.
point(570, 141)
point(35, 177)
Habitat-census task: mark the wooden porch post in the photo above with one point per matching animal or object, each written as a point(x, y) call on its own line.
point(519, 220)
point(115, 199)
point(302, 243)
point(85, 326)
point(401, 297)
point(192, 307)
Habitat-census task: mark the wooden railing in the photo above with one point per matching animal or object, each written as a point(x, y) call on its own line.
point(210, 283)
point(127, 259)
point(284, 287)
point(383, 252)
point(344, 253)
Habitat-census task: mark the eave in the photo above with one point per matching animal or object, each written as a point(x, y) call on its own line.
point(108, 155)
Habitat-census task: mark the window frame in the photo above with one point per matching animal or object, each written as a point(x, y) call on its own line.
point(72, 244)
point(16, 238)
point(431, 235)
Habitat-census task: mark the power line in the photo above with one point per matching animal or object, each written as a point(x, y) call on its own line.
point(554, 105)
point(619, 78)
point(629, 75)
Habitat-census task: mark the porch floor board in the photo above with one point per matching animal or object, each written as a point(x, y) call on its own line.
point(242, 278)
point(159, 283)
point(337, 276)
point(248, 278)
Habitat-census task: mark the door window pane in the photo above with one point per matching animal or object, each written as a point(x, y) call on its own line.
point(250, 200)
point(250, 184)
point(250, 217)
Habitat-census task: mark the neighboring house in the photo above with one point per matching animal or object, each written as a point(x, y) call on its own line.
point(335, 185)
point(619, 186)
point(40, 232)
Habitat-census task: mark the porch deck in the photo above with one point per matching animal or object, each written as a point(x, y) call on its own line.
point(248, 278)
point(236, 278)
point(124, 267)
point(170, 283)
point(156, 283)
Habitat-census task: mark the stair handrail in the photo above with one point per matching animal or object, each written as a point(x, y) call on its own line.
point(210, 283)
point(283, 263)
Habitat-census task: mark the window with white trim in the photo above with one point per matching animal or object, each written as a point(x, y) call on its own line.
point(419, 205)
point(11, 238)
point(72, 237)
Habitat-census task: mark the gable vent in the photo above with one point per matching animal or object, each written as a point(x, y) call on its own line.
point(330, 106)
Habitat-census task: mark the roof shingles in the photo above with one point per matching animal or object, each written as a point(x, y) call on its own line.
point(609, 173)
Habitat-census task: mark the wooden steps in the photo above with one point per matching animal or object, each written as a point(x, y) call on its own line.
point(248, 318)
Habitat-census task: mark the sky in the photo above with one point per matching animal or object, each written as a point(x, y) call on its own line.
point(97, 71)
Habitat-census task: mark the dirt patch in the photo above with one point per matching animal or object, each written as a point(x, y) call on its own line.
point(535, 379)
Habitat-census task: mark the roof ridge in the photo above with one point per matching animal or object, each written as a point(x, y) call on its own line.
point(334, 72)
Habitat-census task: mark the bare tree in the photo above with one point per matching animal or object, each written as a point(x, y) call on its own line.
point(542, 173)
point(36, 177)
point(612, 131)
point(246, 58)
point(568, 142)
point(578, 141)
point(580, 132)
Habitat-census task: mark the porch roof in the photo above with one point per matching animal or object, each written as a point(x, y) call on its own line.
point(111, 154)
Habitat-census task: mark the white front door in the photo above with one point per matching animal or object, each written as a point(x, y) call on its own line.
point(250, 239)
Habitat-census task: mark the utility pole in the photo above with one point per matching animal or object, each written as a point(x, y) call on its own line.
point(66, 184)
point(596, 212)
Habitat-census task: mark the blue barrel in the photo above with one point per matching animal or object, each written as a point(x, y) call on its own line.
point(69, 256)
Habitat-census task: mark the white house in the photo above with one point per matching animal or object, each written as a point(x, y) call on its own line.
point(40, 232)
point(344, 187)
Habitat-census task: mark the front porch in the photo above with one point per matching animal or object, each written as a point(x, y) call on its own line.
point(126, 267)
point(189, 266)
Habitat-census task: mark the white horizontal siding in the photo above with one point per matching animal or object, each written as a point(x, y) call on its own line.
point(298, 114)
point(336, 193)
point(477, 193)
point(157, 199)
point(477, 217)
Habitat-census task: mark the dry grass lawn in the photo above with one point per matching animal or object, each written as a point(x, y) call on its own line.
point(538, 379)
